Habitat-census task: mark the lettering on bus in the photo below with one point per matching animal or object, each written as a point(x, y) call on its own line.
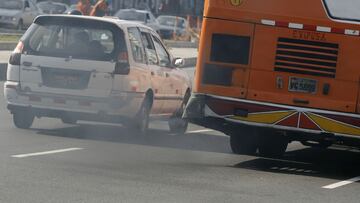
point(306, 35)
point(236, 2)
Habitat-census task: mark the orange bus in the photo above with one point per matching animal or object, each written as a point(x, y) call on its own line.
point(276, 71)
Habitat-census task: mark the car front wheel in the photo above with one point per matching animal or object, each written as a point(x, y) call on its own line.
point(177, 124)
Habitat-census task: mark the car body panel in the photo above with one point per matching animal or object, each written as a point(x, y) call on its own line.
point(106, 93)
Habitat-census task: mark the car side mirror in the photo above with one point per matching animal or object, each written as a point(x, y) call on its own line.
point(178, 62)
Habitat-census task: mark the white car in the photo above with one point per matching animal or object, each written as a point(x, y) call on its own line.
point(18, 13)
point(97, 69)
point(141, 16)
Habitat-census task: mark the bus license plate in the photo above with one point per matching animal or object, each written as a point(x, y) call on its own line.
point(302, 85)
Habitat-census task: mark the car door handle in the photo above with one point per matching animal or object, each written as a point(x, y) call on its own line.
point(167, 75)
point(152, 73)
point(26, 63)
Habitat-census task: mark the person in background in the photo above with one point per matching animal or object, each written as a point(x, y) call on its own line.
point(100, 9)
point(84, 6)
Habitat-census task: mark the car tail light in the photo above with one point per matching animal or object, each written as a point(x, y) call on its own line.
point(15, 57)
point(122, 66)
point(8, 86)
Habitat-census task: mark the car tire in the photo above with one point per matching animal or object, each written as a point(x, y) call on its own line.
point(177, 124)
point(20, 25)
point(244, 141)
point(142, 118)
point(23, 119)
point(272, 144)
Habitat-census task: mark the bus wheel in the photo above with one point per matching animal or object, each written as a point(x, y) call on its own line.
point(23, 119)
point(272, 144)
point(244, 142)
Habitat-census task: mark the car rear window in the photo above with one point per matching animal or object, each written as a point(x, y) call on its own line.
point(78, 40)
point(343, 9)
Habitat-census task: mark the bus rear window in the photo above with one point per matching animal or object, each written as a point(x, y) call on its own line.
point(343, 9)
point(230, 49)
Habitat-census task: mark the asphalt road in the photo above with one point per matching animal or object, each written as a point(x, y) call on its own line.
point(109, 163)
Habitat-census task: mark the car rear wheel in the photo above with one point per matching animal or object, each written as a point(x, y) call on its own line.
point(272, 144)
point(244, 141)
point(143, 117)
point(23, 119)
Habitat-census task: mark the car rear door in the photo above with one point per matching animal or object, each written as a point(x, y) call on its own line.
point(63, 59)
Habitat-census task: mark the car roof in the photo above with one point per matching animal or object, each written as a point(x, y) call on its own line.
point(136, 10)
point(108, 19)
point(52, 3)
point(168, 16)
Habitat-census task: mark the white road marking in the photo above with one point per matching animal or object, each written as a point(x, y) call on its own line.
point(199, 131)
point(342, 183)
point(45, 153)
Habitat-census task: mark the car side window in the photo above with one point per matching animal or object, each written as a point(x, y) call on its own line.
point(149, 49)
point(136, 45)
point(164, 58)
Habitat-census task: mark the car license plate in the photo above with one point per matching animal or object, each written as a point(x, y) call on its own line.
point(302, 85)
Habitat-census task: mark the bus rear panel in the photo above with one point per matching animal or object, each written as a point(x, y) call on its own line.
point(279, 66)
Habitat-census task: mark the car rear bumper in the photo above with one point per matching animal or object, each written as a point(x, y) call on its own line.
point(48, 105)
point(225, 114)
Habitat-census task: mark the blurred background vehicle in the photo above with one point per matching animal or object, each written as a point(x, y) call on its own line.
point(142, 16)
point(18, 13)
point(71, 8)
point(173, 27)
point(50, 7)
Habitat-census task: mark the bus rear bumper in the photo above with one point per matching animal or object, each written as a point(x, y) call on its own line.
point(227, 114)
